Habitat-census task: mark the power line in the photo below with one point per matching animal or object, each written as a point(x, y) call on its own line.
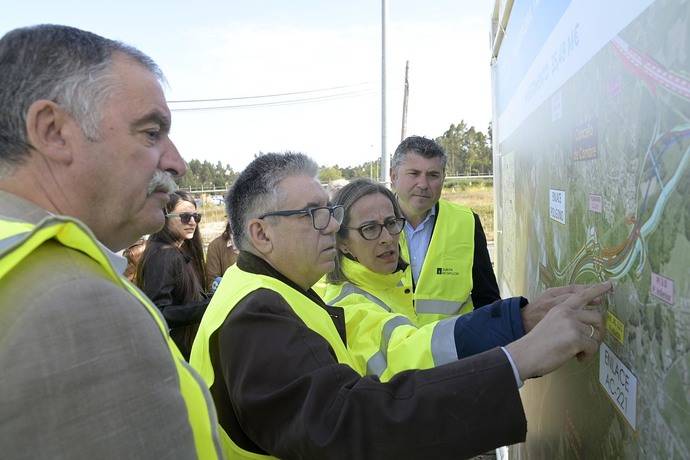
point(324, 98)
point(266, 95)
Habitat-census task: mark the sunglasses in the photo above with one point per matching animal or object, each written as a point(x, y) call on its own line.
point(185, 217)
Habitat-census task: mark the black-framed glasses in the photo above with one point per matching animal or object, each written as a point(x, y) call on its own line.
point(372, 230)
point(320, 216)
point(185, 217)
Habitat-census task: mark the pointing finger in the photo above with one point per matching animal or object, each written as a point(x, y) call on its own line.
point(586, 296)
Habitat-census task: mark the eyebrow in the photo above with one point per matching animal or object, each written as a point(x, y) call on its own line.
point(375, 221)
point(314, 204)
point(425, 171)
point(157, 117)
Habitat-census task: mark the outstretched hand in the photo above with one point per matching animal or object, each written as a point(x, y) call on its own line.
point(534, 311)
point(567, 329)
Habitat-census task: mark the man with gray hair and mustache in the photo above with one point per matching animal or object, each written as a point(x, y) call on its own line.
point(86, 166)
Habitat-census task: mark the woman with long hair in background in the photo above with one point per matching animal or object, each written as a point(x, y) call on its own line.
point(172, 271)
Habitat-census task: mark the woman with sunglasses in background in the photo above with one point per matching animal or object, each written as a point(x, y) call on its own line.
point(379, 310)
point(172, 271)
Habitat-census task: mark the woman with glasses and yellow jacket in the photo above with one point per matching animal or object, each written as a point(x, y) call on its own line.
point(379, 310)
point(172, 271)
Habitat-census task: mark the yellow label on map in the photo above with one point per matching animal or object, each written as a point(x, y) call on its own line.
point(615, 327)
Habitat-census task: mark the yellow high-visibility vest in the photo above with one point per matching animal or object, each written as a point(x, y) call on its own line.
point(444, 286)
point(19, 239)
point(380, 340)
point(236, 285)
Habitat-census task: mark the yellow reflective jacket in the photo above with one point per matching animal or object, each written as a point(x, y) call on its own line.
point(444, 286)
point(236, 285)
point(382, 341)
point(18, 239)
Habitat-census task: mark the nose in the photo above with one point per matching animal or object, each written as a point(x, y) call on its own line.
point(385, 237)
point(423, 182)
point(171, 161)
point(333, 226)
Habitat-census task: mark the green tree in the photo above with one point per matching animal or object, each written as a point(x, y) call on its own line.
point(330, 173)
point(207, 175)
point(468, 150)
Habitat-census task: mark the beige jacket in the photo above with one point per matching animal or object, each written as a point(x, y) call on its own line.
point(84, 371)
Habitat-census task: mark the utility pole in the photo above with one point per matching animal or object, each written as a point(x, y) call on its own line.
point(384, 177)
point(406, 94)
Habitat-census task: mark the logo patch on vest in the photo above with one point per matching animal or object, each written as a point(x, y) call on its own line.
point(446, 271)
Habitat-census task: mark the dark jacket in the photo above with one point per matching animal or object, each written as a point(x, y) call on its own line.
point(278, 388)
point(182, 303)
point(484, 285)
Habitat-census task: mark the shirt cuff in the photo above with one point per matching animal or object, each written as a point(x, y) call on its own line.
point(516, 374)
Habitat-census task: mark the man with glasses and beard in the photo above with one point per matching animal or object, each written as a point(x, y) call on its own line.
point(86, 166)
point(276, 361)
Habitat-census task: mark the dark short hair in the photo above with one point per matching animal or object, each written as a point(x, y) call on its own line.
point(428, 148)
point(347, 197)
point(63, 64)
point(255, 190)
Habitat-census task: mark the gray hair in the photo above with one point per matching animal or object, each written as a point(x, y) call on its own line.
point(255, 191)
point(347, 197)
point(427, 148)
point(68, 66)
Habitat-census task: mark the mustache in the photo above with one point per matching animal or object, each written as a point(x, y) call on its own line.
point(162, 181)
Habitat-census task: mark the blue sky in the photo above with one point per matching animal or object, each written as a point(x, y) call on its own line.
point(223, 49)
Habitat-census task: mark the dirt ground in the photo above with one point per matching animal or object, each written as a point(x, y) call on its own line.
point(210, 230)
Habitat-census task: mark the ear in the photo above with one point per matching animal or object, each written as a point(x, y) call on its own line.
point(260, 236)
point(393, 172)
point(342, 247)
point(49, 130)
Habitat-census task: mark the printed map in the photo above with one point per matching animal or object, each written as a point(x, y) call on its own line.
point(595, 185)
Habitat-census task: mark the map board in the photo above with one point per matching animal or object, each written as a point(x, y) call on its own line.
point(592, 176)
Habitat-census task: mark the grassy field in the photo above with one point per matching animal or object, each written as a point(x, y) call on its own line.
point(478, 196)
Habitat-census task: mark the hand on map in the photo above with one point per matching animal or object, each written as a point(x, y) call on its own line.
point(568, 329)
point(534, 311)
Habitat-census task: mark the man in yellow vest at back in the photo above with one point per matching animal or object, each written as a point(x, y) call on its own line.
point(88, 369)
point(450, 271)
point(276, 361)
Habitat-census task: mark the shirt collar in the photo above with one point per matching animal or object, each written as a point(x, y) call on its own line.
point(254, 264)
point(431, 214)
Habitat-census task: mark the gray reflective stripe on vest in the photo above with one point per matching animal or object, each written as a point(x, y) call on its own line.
point(439, 307)
point(378, 363)
point(349, 288)
point(11, 242)
point(443, 342)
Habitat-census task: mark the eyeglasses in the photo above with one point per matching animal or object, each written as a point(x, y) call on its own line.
point(320, 216)
point(372, 231)
point(185, 217)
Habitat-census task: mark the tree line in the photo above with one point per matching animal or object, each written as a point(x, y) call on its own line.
point(468, 149)
point(469, 153)
point(207, 175)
